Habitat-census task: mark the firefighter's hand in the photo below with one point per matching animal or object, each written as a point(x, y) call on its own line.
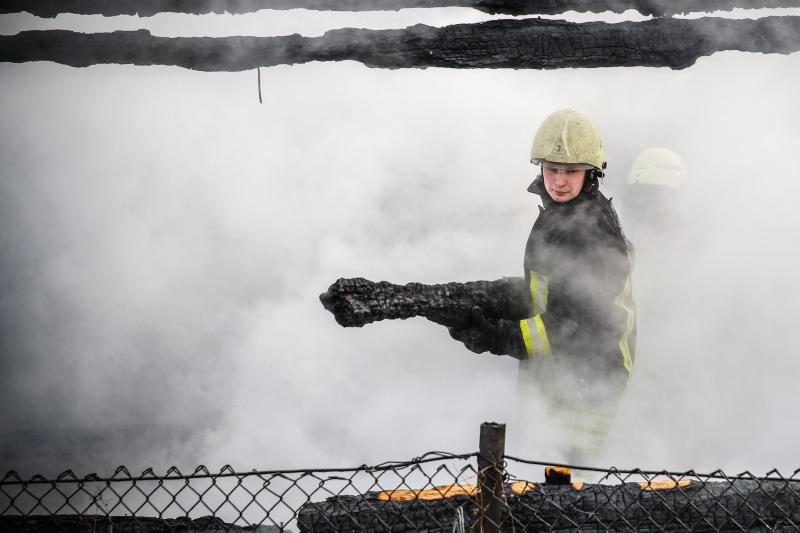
point(480, 336)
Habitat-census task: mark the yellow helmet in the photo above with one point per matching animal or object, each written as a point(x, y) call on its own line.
point(658, 166)
point(568, 137)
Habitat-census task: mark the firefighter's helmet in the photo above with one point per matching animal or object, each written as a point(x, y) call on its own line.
point(658, 166)
point(568, 137)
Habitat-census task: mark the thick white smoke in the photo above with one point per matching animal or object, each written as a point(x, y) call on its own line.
point(164, 239)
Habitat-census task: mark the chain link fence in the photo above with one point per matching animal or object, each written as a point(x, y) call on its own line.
point(438, 492)
point(280, 500)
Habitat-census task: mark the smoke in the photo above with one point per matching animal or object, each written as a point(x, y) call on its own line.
point(716, 287)
point(163, 240)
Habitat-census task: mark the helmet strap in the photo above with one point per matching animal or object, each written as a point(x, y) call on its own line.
point(592, 183)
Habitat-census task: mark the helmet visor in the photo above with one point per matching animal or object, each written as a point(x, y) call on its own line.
point(568, 166)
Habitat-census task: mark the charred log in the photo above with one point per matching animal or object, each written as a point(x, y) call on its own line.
point(530, 43)
point(146, 8)
point(355, 302)
point(64, 523)
point(739, 505)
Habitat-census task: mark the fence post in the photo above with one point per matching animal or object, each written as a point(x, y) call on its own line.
point(491, 451)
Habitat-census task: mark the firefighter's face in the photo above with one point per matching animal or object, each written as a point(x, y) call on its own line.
point(563, 184)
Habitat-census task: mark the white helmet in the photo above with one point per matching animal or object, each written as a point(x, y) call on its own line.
point(659, 166)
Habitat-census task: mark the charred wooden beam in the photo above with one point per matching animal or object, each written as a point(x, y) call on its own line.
point(679, 505)
point(356, 302)
point(530, 43)
point(85, 523)
point(146, 8)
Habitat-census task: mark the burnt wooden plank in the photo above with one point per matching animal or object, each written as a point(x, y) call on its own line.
point(146, 8)
point(85, 523)
point(703, 506)
point(356, 302)
point(528, 43)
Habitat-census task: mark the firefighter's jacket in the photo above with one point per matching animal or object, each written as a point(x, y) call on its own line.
point(577, 268)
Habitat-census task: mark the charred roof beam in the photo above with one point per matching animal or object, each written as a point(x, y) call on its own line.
point(146, 8)
point(526, 43)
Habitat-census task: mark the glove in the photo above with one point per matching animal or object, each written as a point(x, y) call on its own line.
point(481, 335)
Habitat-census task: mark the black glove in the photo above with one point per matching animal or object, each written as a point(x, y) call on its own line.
point(482, 335)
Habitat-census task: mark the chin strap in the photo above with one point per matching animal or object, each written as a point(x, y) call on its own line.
point(592, 183)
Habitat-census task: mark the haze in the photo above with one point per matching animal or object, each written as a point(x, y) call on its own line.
point(164, 238)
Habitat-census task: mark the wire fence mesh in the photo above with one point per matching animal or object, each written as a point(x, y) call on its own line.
point(436, 492)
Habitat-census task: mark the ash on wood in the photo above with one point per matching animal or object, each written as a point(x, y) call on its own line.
point(146, 8)
point(122, 524)
point(355, 302)
point(528, 43)
point(684, 505)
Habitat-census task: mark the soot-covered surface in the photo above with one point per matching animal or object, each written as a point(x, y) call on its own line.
point(519, 44)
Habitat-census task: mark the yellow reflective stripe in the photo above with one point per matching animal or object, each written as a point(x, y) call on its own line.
point(533, 331)
point(538, 287)
point(542, 333)
point(534, 335)
point(623, 301)
point(545, 294)
point(526, 337)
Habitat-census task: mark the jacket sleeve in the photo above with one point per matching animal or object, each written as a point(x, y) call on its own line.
point(529, 337)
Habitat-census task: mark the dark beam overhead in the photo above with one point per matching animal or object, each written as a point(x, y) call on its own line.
point(528, 43)
point(146, 8)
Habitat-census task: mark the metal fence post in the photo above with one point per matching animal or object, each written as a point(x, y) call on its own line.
point(491, 451)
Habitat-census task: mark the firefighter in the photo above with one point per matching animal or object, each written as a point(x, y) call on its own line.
point(576, 349)
point(655, 198)
point(657, 207)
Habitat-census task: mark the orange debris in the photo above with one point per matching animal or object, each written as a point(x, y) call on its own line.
point(667, 484)
point(521, 487)
point(435, 493)
point(448, 491)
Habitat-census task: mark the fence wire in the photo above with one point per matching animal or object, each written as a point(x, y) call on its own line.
point(438, 492)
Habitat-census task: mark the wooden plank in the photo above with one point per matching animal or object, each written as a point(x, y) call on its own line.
point(681, 504)
point(527, 43)
point(146, 8)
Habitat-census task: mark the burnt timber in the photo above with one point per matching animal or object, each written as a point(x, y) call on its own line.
point(146, 8)
point(81, 523)
point(356, 302)
point(683, 505)
point(519, 44)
